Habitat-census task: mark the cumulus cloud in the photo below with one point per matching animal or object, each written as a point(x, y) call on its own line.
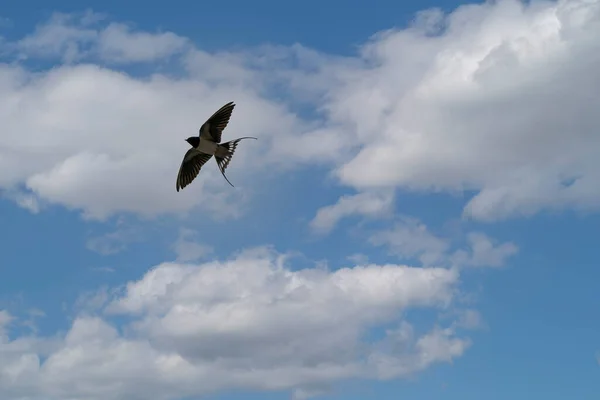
point(105, 154)
point(247, 322)
point(497, 98)
point(105, 142)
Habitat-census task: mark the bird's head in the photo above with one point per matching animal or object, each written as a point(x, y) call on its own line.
point(193, 141)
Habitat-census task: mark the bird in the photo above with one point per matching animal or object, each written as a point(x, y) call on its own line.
point(207, 144)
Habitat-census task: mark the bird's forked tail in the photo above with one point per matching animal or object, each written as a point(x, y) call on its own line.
point(224, 161)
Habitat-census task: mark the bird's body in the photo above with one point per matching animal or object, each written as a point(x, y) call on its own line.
point(206, 145)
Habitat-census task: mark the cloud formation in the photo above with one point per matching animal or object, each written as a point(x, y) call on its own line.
point(72, 38)
point(495, 98)
point(105, 142)
point(500, 100)
point(250, 322)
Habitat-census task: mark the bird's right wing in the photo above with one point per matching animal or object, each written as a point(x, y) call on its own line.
point(212, 129)
point(190, 167)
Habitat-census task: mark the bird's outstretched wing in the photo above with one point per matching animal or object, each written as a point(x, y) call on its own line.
point(190, 167)
point(212, 129)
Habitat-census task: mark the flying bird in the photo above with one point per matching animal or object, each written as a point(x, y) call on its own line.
point(207, 144)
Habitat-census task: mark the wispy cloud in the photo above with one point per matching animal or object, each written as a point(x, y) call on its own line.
point(114, 242)
point(411, 239)
point(187, 248)
point(371, 205)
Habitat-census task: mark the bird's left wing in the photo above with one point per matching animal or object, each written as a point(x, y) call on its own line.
point(190, 167)
point(212, 129)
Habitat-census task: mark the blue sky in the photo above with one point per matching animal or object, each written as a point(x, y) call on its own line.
point(416, 220)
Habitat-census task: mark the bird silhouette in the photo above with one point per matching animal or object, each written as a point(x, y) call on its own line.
point(207, 144)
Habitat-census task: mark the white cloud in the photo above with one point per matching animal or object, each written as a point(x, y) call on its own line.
point(409, 238)
point(437, 345)
point(105, 142)
point(502, 101)
point(250, 322)
point(91, 157)
point(366, 204)
point(484, 252)
point(117, 43)
point(74, 37)
point(63, 36)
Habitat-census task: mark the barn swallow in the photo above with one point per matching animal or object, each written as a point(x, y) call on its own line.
point(207, 144)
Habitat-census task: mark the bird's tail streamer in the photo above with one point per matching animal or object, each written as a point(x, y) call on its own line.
point(223, 162)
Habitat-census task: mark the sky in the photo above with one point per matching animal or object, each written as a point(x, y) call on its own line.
point(417, 219)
